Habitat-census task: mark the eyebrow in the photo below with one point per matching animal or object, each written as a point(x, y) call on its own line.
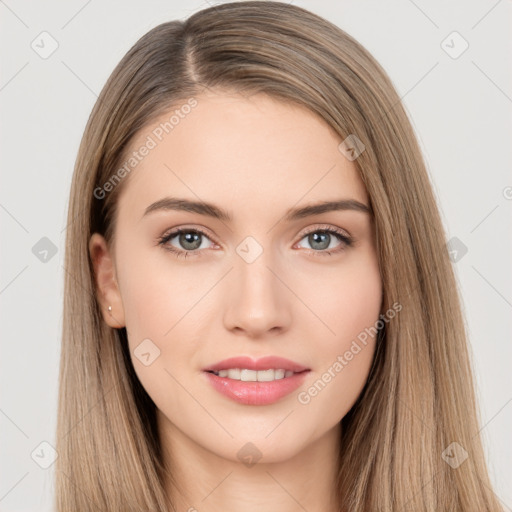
point(211, 210)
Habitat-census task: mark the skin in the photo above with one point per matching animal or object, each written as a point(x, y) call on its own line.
point(255, 157)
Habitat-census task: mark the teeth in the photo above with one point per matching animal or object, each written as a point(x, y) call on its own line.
point(232, 374)
point(254, 375)
point(279, 374)
point(249, 375)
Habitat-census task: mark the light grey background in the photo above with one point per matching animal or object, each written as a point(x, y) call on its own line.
point(461, 111)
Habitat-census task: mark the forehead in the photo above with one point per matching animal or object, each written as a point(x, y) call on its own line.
point(246, 153)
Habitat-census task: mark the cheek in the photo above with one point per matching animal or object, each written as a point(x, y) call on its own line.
point(350, 305)
point(355, 315)
point(157, 321)
point(155, 293)
point(347, 299)
point(160, 300)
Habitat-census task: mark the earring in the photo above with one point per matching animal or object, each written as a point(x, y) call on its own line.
point(110, 309)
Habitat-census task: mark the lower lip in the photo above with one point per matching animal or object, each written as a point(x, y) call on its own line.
point(256, 393)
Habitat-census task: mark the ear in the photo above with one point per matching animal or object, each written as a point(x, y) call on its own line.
point(106, 282)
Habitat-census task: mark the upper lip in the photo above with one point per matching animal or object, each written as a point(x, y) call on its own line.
point(264, 363)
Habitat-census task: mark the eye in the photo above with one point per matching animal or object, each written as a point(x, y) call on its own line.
point(321, 239)
point(188, 238)
point(190, 241)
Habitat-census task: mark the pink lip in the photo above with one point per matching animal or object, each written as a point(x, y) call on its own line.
point(256, 393)
point(264, 363)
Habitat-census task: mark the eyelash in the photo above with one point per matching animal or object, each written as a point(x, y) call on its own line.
point(346, 240)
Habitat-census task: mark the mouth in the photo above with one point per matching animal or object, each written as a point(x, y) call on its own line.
point(246, 375)
point(256, 382)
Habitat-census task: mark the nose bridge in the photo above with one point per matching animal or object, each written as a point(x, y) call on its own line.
point(257, 300)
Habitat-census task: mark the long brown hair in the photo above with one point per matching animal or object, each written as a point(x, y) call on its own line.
point(419, 397)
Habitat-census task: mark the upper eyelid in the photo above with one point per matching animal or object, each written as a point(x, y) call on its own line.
point(303, 232)
point(322, 227)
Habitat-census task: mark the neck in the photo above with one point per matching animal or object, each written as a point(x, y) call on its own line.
point(206, 482)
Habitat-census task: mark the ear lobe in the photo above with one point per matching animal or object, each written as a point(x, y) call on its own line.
point(107, 290)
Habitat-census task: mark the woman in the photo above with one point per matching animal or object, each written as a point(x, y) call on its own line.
point(260, 312)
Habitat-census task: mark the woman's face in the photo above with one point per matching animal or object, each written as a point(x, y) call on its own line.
point(246, 279)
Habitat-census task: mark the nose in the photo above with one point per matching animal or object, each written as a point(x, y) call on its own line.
point(257, 300)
